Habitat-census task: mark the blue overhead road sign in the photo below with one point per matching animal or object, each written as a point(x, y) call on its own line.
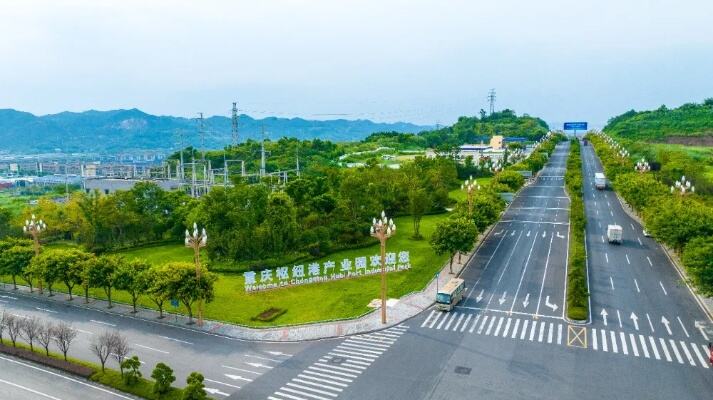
point(575, 126)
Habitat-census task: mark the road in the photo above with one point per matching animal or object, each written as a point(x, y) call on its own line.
point(509, 339)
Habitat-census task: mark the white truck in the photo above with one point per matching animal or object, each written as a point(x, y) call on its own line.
point(600, 181)
point(614, 233)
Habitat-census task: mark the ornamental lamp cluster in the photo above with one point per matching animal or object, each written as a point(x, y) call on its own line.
point(382, 226)
point(33, 226)
point(199, 238)
point(683, 186)
point(642, 166)
point(470, 185)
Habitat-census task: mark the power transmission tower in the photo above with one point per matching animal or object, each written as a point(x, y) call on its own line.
point(262, 153)
point(491, 100)
point(201, 133)
point(235, 124)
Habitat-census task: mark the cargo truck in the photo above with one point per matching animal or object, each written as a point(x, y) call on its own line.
point(600, 181)
point(614, 233)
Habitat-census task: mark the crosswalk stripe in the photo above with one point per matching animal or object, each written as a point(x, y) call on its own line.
point(465, 324)
point(624, 347)
point(289, 396)
point(559, 334)
point(332, 372)
point(688, 353)
point(542, 332)
point(507, 327)
point(338, 368)
point(634, 347)
point(433, 323)
point(614, 347)
point(594, 339)
point(375, 336)
point(320, 385)
point(367, 357)
point(350, 363)
point(514, 329)
point(440, 324)
point(701, 359)
point(370, 342)
point(490, 326)
point(662, 342)
point(643, 346)
point(604, 340)
point(524, 329)
point(327, 376)
point(450, 321)
point(532, 330)
point(475, 322)
point(675, 351)
point(387, 335)
point(349, 355)
point(294, 385)
point(455, 328)
point(371, 350)
point(653, 348)
point(550, 332)
point(303, 376)
point(482, 324)
point(497, 328)
point(332, 355)
point(428, 318)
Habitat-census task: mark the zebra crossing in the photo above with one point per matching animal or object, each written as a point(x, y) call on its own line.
point(329, 376)
point(556, 331)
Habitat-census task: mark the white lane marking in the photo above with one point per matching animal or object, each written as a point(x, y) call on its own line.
point(614, 347)
point(637, 286)
point(176, 340)
point(627, 259)
point(289, 396)
point(595, 345)
point(544, 275)
point(665, 350)
point(624, 347)
point(632, 226)
point(608, 204)
point(640, 243)
point(701, 359)
point(465, 324)
point(653, 347)
point(688, 353)
point(662, 288)
point(150, 348)
point(618, 315)
point(514, 329)
point(475, 322)
point(611, 212)
point(650, 263)
point(606, 256)
point(611, 281)
point(46, 310)
point(221, 383)
point(650, 324)
point(634, 347)
point(425, 321)
point(460, 319)
point(25, 388)
point(237, 377)
point(683, 327)
point(559, 333)
point(102, 323)
point(603, 241)
point(675, 351)
point(524, 329)
point(65, 377)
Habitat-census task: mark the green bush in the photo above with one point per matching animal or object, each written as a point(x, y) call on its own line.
point(577, 292)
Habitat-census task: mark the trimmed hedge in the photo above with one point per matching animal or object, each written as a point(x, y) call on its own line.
point(577, 292)
point(35, 356)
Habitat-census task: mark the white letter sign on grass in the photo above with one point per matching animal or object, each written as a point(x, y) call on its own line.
point(325, 272)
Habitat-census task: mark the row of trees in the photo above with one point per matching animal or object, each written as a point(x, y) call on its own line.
point(577, 292)
point(77, 268)
point(32, 330)
point(683, 222)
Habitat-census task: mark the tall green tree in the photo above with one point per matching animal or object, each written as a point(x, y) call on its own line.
point(453, 236)
point(102, 273)
point(179, 281)
point(195, 389)
point(419, 202)
point(129, 277)
point(15, 256)
point(698, 260)
point(163, 378)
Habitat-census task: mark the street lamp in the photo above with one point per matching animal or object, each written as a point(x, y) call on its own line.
point(470, 186)
point(382, 229)
point(642, 166)
point(196, 241)
point(683, 187)
point(33, 227)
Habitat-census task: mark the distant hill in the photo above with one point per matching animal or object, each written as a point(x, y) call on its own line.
point(689, 124)
point(124, 130)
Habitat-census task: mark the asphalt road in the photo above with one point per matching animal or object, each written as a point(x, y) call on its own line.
point(509, 339)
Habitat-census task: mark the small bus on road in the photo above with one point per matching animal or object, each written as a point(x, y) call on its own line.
point(450, 295)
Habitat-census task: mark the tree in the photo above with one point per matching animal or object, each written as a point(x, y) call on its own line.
point(512, 179)
point(29, 329)
point(452, 236)
point(63, 265)
point(155, 283)
point(44, 336)
point(676, 220)
point(103, 273)
point(130, 278)
point(63, 335)
point(88, 267)
point(4, 321)
point(179, 281)
point(15, 256)
point(131, 366)
point(14, 326)
point(71, 268)
point(698, 260)
point(101, 346)
point(419, 202)
point(195, 389)
point(163, 378)
point(119, 348)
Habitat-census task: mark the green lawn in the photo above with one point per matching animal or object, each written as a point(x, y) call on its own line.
point(459, 194)
point(312, 302)
point(14, 203)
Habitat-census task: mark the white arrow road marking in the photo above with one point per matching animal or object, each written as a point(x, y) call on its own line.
point(45, 310)
point(527, 301)
point(637, 286)
point(238, 377)
point(240, 369)
point(258, 365)
point(512, 233)
point(501, 300)
point(611, 282)
point(553, 306)
point(102, 323)
point(480, 296)
point(666, 323)
point(650, 263)
point(499, 233)
point(528, 234)
point(544, 233)
point(279, 353)
point(627, 259)
point(650, 324)
point(683, 327)
point(618, 316)
point(604, 316)
point(560, 236)
point(216, 391)
point(635, 320)
point(701, 328)
point(662, 288)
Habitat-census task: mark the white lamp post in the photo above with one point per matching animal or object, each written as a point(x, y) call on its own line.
point(197, 240)
point(382, 229)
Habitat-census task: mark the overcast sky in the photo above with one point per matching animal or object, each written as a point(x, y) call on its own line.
point(420, 61)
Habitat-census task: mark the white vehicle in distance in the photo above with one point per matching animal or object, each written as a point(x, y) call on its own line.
point(615, 233)
point(600, 181)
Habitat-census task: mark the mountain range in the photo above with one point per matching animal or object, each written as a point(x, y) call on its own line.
point(116, 131)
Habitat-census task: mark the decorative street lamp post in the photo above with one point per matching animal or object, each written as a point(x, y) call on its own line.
point(470, 186)
point(642, 166)
point(33, 228)
point(683, 187)
point(382, 229)
point(196, 241)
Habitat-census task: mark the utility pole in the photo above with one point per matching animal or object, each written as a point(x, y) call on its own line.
point(491, 100)
point(235, 123)
point(201, 133)
point(262, 153)
point(181, 175)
